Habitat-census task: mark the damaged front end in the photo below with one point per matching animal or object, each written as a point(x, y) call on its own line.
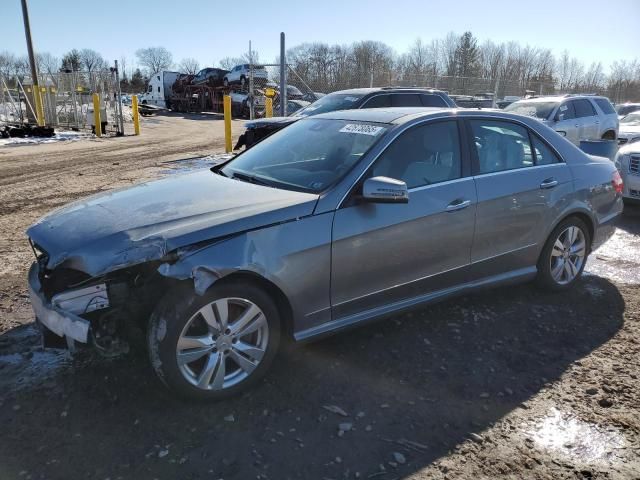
point(108, 312)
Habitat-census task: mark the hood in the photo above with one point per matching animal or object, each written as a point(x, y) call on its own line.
point(629, 131)
point(142, 223)
point(263, 122)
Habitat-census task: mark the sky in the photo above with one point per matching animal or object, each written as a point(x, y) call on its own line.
point(208, 30)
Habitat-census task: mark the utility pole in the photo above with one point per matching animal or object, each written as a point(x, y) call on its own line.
point(32, 63)
point(283, 78)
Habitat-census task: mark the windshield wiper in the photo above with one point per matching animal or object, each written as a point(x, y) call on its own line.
point(250, 178)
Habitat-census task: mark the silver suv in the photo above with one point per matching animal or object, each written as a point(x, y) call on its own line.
point(577, 117)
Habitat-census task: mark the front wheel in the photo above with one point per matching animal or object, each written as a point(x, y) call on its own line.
point(216, 345)
point(564, 255)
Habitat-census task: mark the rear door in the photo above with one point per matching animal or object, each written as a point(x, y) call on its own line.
point(587, 118)
point(387, 253)
point(521, 184)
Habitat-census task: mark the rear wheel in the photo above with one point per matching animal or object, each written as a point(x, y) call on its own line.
point(216, 345)
point(564, 255)
point(225, 81)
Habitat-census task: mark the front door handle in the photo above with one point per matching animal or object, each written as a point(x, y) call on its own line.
point(549, 183)
point(458, 205)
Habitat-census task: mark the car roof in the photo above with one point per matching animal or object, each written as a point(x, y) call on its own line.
point(366, 91)
point(400, 115)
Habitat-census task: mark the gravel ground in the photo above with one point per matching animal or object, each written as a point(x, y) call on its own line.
point(507, 383)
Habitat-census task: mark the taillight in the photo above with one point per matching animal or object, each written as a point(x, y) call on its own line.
point(616, 181)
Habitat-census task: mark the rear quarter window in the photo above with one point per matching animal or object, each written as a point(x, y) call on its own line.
point(433, 101)
point(605, 105)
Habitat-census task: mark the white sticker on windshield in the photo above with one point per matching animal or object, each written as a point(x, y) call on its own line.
point(361, 128)
point(351, 99)
point(563, 108)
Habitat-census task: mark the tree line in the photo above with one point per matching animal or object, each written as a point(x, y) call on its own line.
point(454, 63)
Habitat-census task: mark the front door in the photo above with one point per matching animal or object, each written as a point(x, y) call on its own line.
point(386, 253)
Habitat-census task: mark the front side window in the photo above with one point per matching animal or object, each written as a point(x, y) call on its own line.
point(501, 145)
point(422, 155)
point(309, 155)
point(406, 100)
point(583, 108)
point(566, 112)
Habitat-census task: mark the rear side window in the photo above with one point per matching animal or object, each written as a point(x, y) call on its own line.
point(433, 101)
point(544, 154)
point(379, 101)
point(406, 100)
point(605, 105)
point(501, 145)
point(583, 108)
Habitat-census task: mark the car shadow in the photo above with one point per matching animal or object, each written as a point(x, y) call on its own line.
point(419, 384)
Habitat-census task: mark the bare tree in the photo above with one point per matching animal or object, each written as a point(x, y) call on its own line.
point(47, 63)
point(154, 59)
point(189, 65)
point(91, 60)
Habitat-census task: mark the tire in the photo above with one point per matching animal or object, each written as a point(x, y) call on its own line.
point(225, 82)
point(243, 81)
point(231, 362)
point(558, 267)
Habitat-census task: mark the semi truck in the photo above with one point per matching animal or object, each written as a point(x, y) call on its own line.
point(160, 90)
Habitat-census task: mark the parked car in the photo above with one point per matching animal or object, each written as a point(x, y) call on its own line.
point(240, 74)
point(344, 100)
point(628, 163)
point(295, 105)
point(214, 77)
point(336, 220)
point(576, 117)
point(627, 108)
point(240, 106)
point(629, 129)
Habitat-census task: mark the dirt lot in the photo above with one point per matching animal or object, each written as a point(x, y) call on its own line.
point(510, 383)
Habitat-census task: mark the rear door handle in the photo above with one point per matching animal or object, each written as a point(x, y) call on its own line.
point(458, 205)
point(549, 183)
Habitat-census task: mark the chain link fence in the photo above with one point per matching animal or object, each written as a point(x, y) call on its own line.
point(67, 101)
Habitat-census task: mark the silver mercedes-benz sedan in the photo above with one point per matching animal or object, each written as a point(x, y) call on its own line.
point(336, 220)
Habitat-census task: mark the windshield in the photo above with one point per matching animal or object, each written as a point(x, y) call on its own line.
point(625, 109)
point(540, 110)
point(631, 120)
point(330, 103)
point(308, 156)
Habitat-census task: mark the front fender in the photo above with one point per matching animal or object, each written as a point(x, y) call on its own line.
point(294, 256)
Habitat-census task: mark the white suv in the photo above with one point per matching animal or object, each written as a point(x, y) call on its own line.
point(240, 74)
point(577, 117)
point(628, 163)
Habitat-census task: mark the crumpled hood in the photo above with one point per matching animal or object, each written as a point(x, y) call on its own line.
point(123, 227)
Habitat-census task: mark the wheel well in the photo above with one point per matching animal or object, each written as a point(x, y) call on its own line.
point(609, 135)
point(281, 300)
point(586, 219)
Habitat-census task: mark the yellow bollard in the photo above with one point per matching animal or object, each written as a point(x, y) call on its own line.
point(268, 107)
point(96, 115)
point(136, 115)
point(227, 123)
point(37, 95)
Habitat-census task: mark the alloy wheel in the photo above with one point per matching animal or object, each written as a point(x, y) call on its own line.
point(222, 343)
point(568, 255)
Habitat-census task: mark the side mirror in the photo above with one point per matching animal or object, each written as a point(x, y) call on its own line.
point(559, 117)
point(385, 190)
